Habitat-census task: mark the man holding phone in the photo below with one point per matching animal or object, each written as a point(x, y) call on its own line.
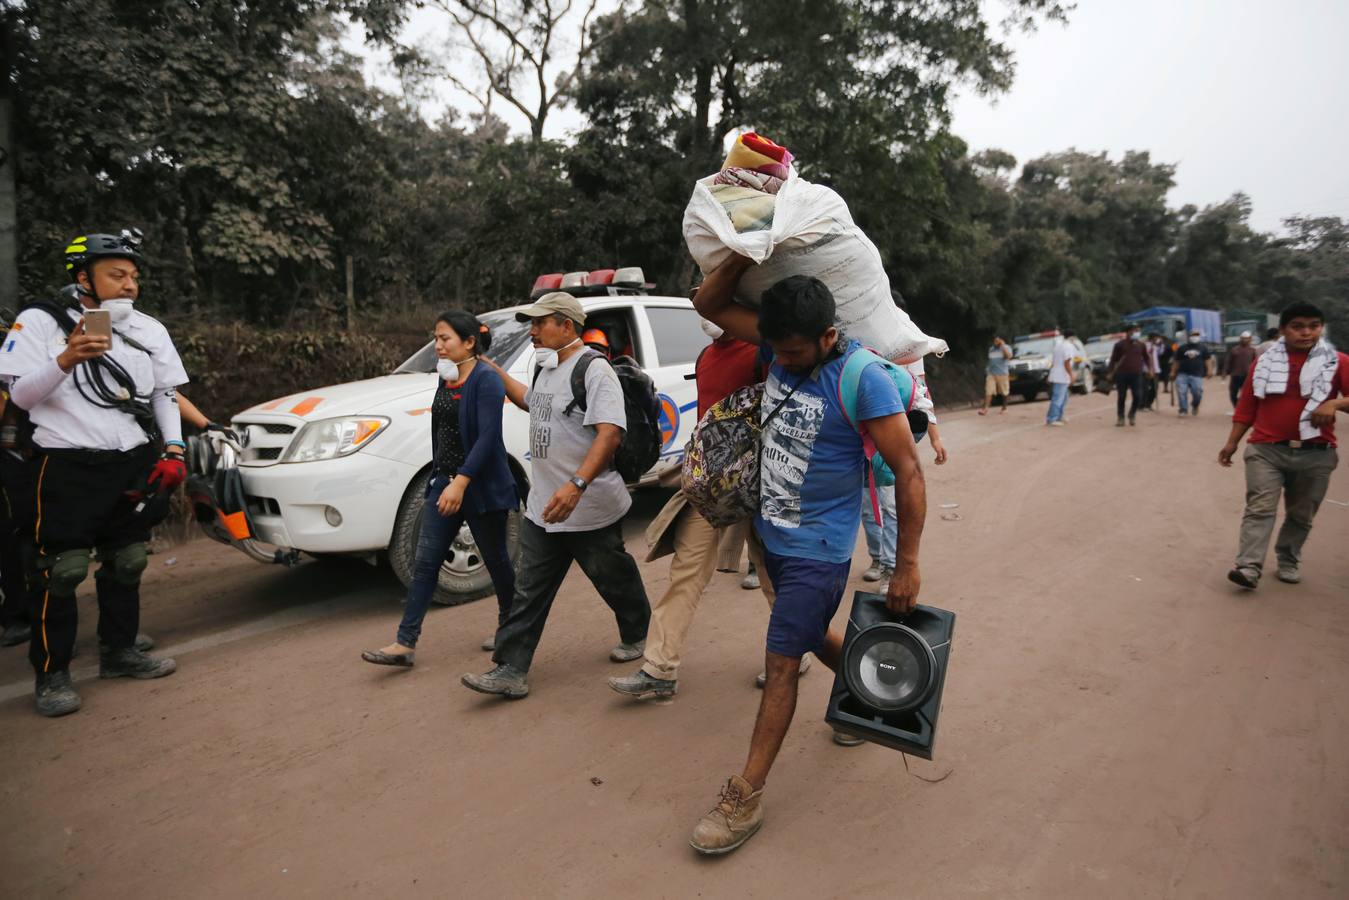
point(98, 381)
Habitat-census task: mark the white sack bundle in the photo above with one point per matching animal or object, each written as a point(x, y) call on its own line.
point(812, 233)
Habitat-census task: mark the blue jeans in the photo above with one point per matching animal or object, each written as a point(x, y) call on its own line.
point(1058, 399)
point(1189, 386)
point(881, 538)
point(433, 542)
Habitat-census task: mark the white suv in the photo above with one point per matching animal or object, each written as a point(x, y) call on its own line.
point(343, 469)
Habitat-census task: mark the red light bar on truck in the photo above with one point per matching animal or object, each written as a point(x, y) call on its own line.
point(547, 283)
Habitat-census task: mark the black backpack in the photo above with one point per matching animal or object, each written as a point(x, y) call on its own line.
point(642, 439)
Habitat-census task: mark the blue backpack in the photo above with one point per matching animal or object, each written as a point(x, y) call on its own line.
point(879, 472)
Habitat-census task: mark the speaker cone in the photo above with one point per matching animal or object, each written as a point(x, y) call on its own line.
point(890, 668)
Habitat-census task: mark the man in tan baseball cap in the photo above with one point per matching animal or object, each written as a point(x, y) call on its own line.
point(576, 499)
point(556, 302)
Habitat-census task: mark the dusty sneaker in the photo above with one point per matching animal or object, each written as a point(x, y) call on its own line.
point(873, 572)
point(751, 580)
point(490, 644)
point(848, 740)
point(1289, 573)
point(1119, 423)
point(132, 663)
point(144, 643)
point(627, 652)
point(762, 678)
point(735, 818)
point(55, 694)
point(1247, 578)
point(642, 686)
point(507, 681)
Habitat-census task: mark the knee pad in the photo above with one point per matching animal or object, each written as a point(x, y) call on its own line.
point(125, 564)
point(67, 570)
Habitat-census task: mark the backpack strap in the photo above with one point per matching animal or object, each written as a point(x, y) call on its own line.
point(56, 311)
point(578, 380)
point(849, 381)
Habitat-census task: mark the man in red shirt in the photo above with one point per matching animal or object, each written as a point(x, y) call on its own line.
point(1288, 403)
point(725, 365)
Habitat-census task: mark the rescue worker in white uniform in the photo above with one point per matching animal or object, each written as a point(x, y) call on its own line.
point(108, 450)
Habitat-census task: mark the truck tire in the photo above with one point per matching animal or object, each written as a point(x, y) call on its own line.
point(1029, 395)
point(463, 577)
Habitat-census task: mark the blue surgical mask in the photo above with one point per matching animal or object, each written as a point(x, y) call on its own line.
point(546, 357)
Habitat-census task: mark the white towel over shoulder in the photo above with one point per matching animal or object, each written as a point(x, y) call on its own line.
point(1314, 381)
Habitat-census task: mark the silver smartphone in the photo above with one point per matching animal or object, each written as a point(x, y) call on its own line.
point(98, 322)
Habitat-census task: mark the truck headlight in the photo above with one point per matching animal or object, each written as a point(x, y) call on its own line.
point(331, 438)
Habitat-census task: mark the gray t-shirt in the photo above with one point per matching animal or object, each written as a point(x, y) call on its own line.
point(558, 444)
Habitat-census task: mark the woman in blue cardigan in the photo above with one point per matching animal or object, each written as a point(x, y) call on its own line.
point(470, 479)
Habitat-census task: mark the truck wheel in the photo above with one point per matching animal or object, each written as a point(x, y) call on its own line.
point(463, 576)
point(1029, 395)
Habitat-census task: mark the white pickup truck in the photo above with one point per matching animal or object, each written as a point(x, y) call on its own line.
point(342, 470)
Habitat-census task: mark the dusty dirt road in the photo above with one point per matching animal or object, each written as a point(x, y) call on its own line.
point(1119, 720)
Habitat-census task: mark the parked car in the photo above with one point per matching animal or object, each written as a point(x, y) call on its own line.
point(1029, 367)
point(1098, 348)
point(342, 470)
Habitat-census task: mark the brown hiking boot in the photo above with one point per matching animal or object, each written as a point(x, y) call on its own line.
point(732, 821)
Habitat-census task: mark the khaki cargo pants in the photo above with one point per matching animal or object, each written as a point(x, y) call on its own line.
point(1302, 476)
point(695, 558)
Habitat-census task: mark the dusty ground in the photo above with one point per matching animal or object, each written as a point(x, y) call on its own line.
point(1119, 720)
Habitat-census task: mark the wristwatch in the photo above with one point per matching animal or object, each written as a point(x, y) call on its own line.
point(579, 482)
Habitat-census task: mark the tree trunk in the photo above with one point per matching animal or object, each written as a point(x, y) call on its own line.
point(9, 220)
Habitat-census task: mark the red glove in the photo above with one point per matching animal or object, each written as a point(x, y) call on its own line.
point(167, 474)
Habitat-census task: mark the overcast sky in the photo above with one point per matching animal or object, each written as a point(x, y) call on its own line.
point(1249, 95)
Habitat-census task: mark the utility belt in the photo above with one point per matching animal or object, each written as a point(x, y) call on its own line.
point(96, 457)
point(1304, 445)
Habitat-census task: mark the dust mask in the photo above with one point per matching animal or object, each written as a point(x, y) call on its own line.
point(546, 357)
point(119, 310)
point(448, 369)
point(711, 329)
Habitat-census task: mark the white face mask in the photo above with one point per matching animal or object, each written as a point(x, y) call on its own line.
point(119, 310)
point(546, 357)
point(448, 369)
point(1134, 335)
point(711, 329)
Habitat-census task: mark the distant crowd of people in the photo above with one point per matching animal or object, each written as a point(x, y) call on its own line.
point(1284, 391)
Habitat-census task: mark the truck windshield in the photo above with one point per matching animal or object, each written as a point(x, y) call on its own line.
point(508, 336)
point(1035, 347)
point(1100, 349)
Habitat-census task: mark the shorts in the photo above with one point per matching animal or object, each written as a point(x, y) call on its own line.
point(998, 384)
point(808, 595)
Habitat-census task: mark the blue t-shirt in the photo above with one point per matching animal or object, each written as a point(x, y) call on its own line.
point(813, 467)
point(998, 364)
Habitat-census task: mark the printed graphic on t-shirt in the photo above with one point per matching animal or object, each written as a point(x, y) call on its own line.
point(788, 442)
point(540, 432)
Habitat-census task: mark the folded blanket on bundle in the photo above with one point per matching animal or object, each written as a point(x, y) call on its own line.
point(748, 178)
point(748, 209)
point(758, 154)
point(754, 171)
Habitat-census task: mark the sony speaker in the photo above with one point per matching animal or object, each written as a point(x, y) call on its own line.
point(890, 675)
